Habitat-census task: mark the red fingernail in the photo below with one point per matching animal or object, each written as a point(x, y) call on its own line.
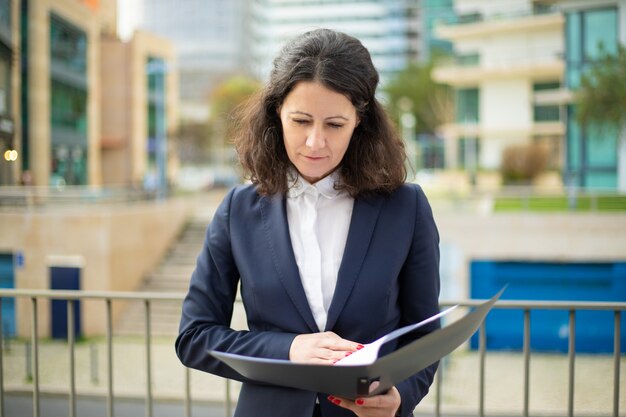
point(359, 347)
point(359, 401)
point(348, 353)
point(336, 401)
point(330, 398)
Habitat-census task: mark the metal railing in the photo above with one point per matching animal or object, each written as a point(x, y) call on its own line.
point(42, 196)
point(149, 298)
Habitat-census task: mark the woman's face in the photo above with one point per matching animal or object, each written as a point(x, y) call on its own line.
point(317, 127)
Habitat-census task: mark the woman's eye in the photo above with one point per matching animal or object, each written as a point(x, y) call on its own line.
point(335, 125)
point(300, 121)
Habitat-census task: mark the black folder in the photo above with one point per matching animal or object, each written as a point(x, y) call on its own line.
point(352, 381)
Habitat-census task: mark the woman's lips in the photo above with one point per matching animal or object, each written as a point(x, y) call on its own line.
point(314, 158)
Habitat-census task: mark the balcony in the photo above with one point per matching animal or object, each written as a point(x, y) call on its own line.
point(469, 382)
point(532, 64)
point(476, 25)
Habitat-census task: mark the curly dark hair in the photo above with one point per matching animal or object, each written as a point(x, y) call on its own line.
point(374, 160)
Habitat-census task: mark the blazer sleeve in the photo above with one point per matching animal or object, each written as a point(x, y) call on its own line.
point(419, 294)
point(208, 307)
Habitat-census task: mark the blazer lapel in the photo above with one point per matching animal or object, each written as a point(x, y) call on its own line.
point(364, 216)
point(276, 229)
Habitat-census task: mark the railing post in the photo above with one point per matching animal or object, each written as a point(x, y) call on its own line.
point(148, 360)
point(109, 323)
point(35, 357)
point(1, 362)
point(28, 360)
point(227, 406)
point(72, 362)
point(481, 388)
point(616, 361)
point(571, 354)
point(439, 376)
point(526, 361)
point(93, 363)
point(187, 392)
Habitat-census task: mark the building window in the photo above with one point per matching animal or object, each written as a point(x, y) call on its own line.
point(588, 34)
point(542, 112)
point(591, 150)
point(5, 80)
point(467, 105)
point(468, 153)
point(68, 46)
point(5, 21)
point(68, 103)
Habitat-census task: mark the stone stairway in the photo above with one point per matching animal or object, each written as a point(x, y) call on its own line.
point(172, 275)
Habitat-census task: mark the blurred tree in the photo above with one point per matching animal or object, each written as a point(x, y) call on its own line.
point(431, 103)
point(601, 98)
point(224, 99)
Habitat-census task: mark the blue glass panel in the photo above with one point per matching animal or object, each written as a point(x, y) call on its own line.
point(601, 180)
point(600, 32)
point(601, 146)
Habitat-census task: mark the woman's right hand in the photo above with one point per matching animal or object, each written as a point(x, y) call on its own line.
point(321, 348)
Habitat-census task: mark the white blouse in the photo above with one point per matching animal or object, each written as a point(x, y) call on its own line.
point(319, 218)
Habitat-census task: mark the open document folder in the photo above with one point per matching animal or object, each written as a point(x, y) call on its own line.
point(351, 377)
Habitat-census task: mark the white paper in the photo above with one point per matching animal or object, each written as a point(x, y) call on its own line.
point(369, 353)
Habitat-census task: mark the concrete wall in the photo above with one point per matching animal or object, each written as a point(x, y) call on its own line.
point(118, 245)
point(526, 237)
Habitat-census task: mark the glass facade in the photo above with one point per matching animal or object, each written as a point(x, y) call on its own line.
point(5, 80)
point(591, 156)
point(467, 105)
point(156, 144)
point(68, 103)
point(6, 108)
point(5, 20)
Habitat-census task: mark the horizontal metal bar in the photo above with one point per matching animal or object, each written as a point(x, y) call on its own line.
point(541, 305)
point(172, 296)
point(81, 295)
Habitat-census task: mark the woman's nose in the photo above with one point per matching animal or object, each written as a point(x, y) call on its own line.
point(315, 140)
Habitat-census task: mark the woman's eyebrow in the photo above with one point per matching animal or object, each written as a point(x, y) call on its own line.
point(298, 112)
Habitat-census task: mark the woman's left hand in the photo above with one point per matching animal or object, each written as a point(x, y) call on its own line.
point(384, 405)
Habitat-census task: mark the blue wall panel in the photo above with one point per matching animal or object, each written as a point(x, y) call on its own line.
point(7, 280)
point(550, 281)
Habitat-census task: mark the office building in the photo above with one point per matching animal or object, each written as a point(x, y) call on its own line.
point(59, 80)
point(508, 75)
point(9, 99)
point(208, 36)
point(389, 29)
point(595, 158)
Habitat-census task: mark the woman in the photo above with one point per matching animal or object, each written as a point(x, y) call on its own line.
point(330, 247)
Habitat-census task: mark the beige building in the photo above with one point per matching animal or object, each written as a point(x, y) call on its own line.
point(9, 92)
point(95, 112)
point(131, 92)
point(508, 78)
point(80, 81)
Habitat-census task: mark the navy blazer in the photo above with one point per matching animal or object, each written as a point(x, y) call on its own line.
point(389, 277)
